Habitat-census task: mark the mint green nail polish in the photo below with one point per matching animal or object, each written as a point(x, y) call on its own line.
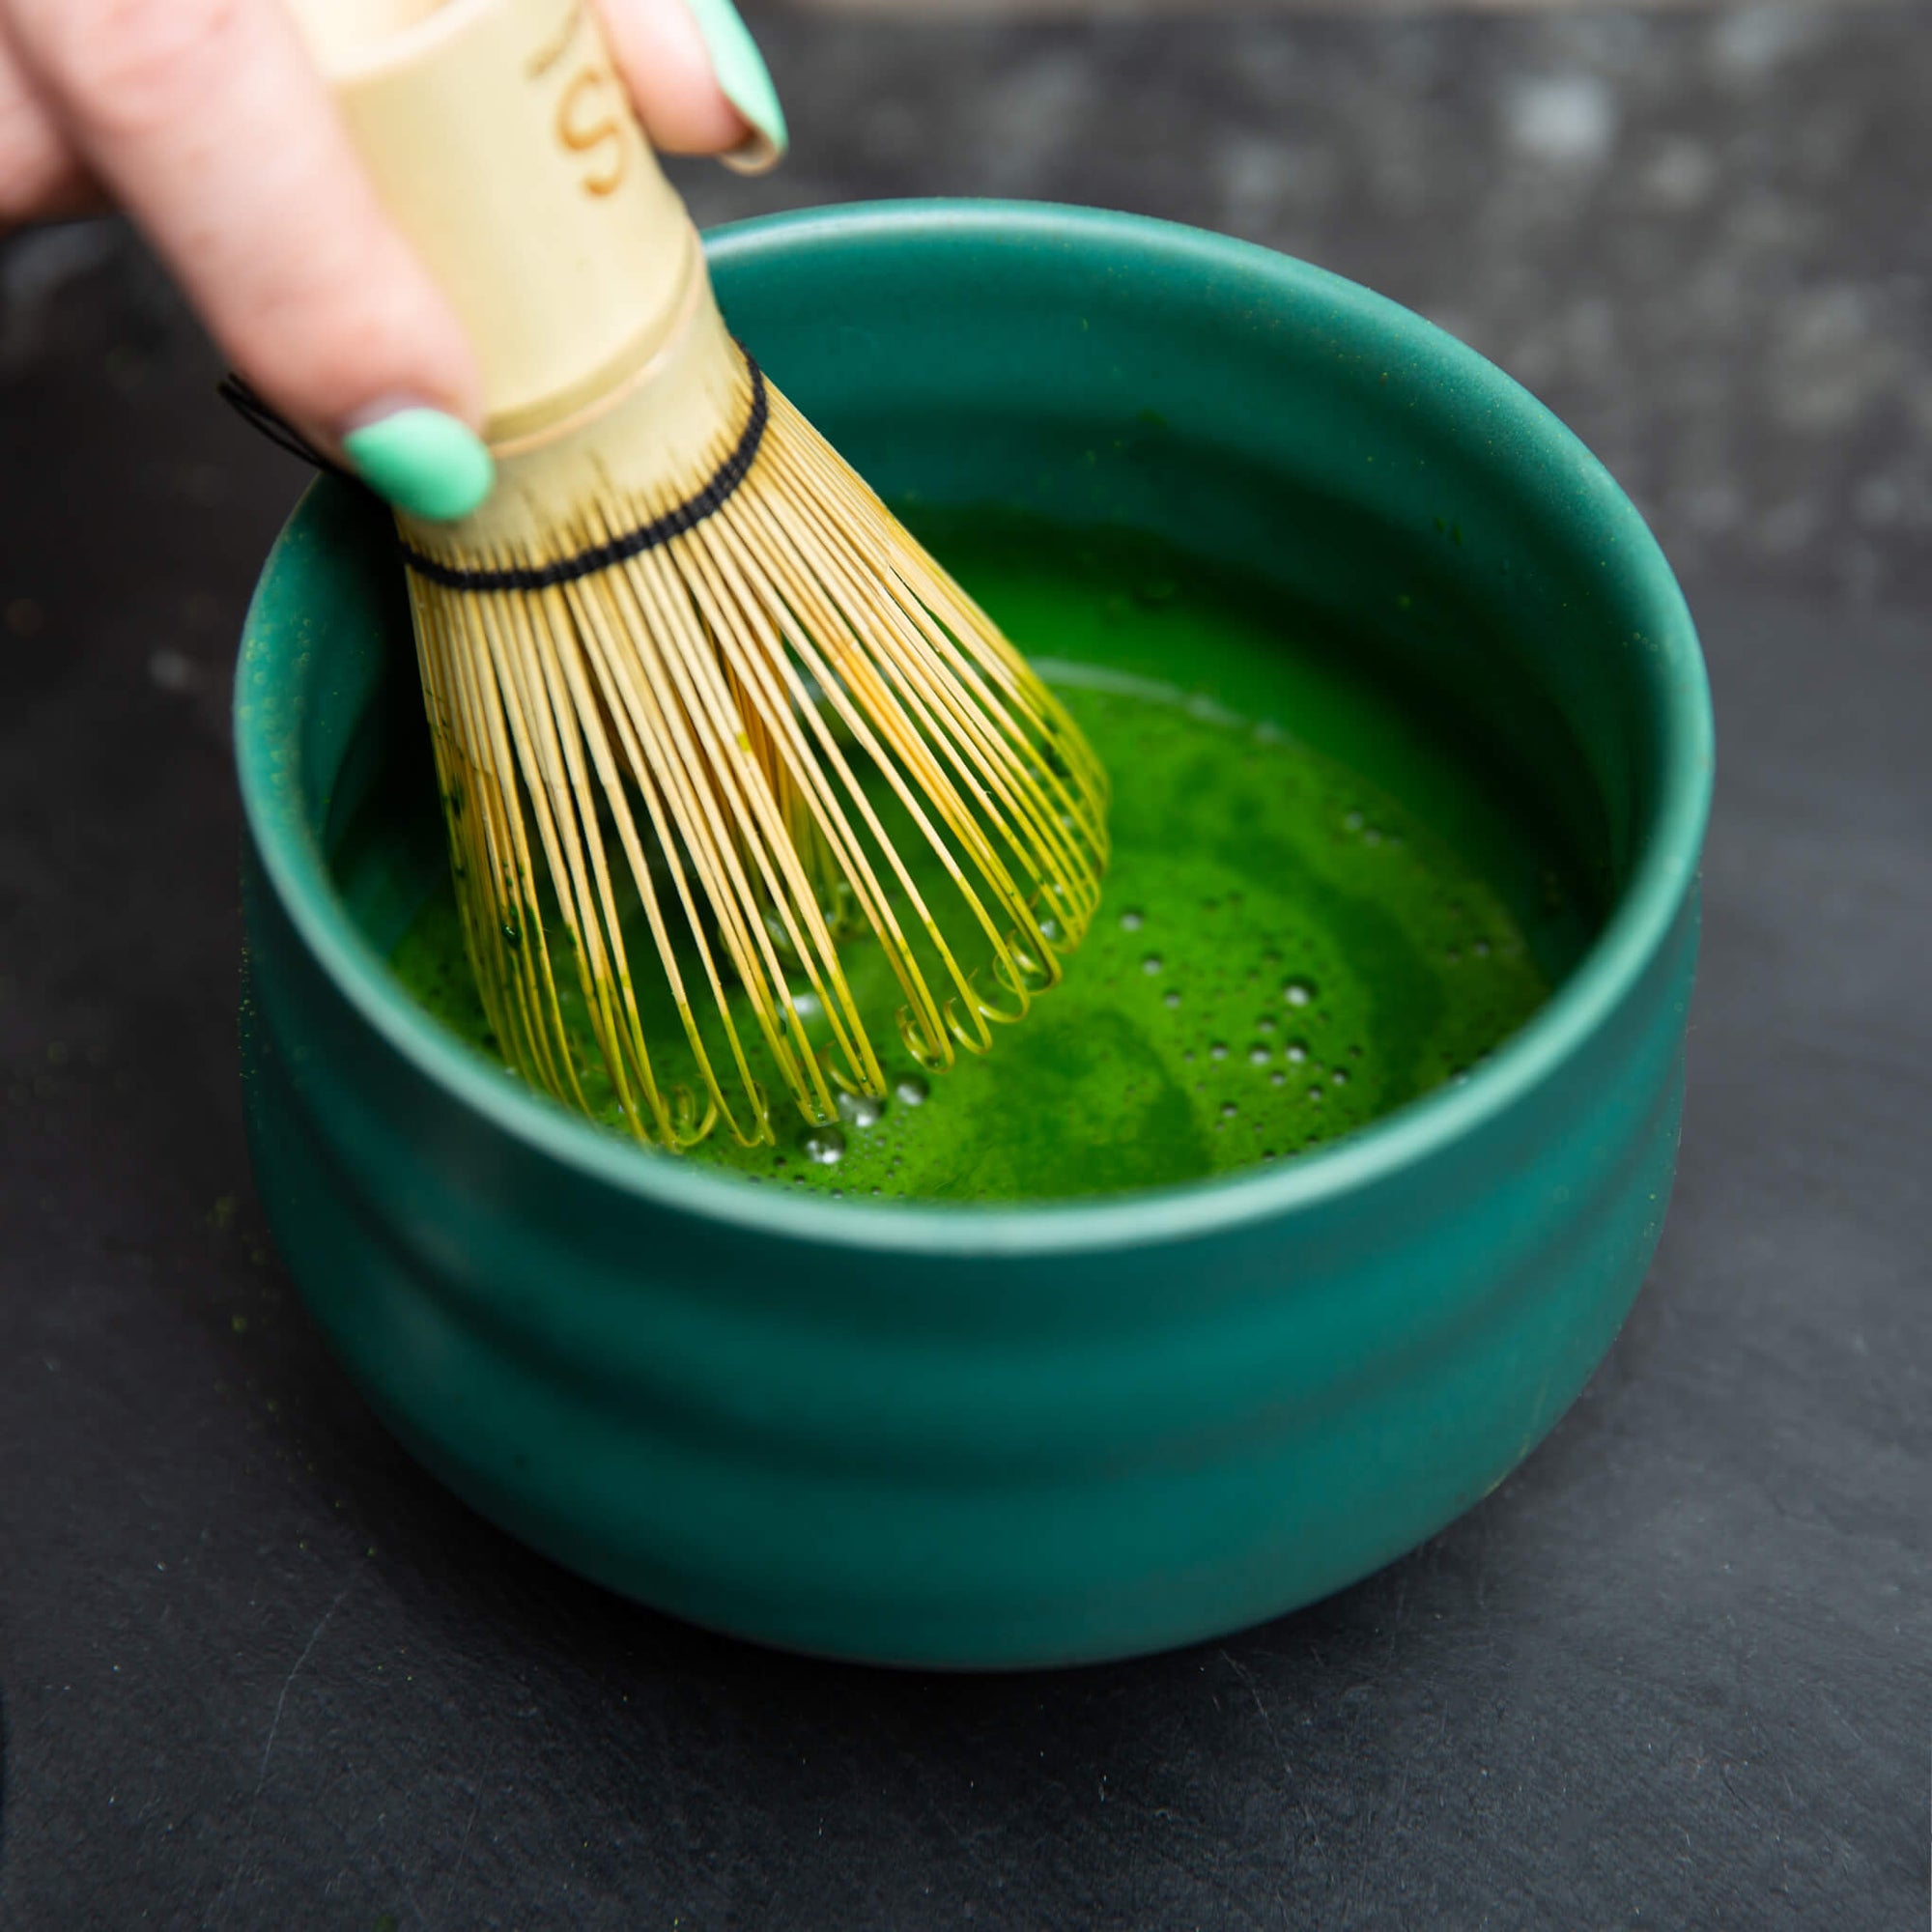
point(422, 462)
point(742, 73)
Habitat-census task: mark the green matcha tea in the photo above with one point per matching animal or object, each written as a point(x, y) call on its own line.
point(1313, 914)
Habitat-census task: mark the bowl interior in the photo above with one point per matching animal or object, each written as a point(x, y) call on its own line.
point(1412, 507)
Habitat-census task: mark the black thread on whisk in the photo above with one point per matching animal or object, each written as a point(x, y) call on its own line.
point(247, 404)
point(687, 516)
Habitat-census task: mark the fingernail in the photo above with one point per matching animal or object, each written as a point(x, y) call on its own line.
point(423, 462)
point(747, 82)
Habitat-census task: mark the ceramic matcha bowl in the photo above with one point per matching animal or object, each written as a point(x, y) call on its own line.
point(991, 1437)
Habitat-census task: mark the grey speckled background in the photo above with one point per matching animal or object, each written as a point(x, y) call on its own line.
point(1703, 237)
point(256, 1670)
point(1699, 233)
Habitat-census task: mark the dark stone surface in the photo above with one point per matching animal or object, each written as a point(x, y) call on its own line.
point(1699, 234)
point(256, 1670)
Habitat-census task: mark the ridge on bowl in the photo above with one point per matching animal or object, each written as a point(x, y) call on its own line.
point(988, 1437)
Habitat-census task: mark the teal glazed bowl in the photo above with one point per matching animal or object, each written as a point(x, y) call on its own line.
point(988, 1437)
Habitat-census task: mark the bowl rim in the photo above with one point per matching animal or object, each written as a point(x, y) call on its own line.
point(1664, 873)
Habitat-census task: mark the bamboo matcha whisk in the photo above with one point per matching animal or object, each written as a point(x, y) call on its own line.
point(704, 713)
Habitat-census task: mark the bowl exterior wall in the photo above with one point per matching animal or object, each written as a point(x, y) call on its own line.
point(890, 1457)
point(1007, 1453)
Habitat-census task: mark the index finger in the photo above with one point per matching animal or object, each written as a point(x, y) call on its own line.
point(208, 122)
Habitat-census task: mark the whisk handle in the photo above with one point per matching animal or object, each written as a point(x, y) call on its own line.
point(502, 141)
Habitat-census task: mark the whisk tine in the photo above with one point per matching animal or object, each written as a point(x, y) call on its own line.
point(616, 704)
point(883, 733)
point(764, 869)
point(488, 852)
point(730, 675)
point(733, 773)
point(723, 723)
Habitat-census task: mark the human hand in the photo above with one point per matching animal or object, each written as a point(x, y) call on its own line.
point(207, 121)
